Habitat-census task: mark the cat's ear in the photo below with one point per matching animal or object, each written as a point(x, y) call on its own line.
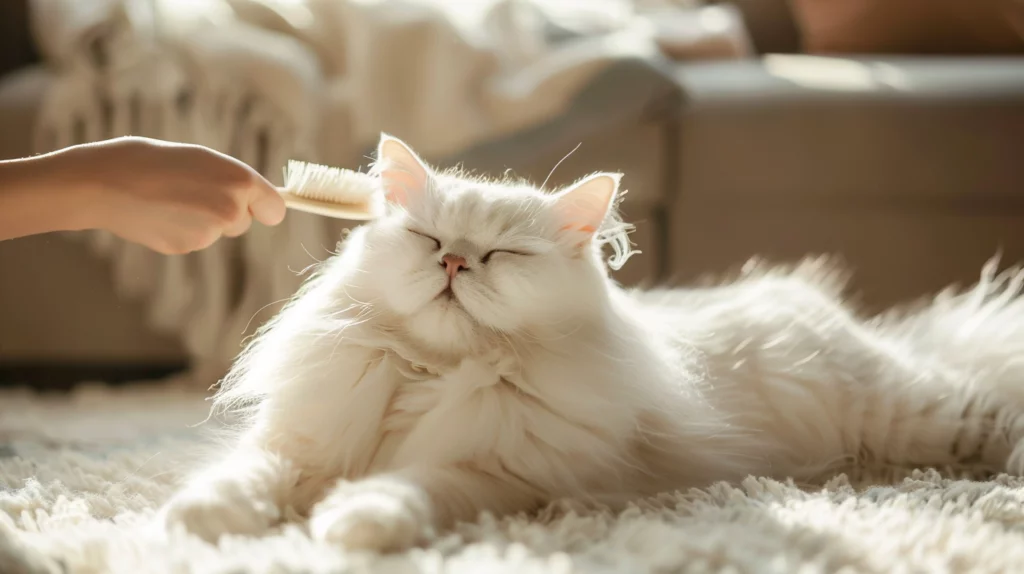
point(583, 207)
point(403, 174)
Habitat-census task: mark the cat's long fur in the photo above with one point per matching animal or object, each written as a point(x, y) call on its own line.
point(384, 414)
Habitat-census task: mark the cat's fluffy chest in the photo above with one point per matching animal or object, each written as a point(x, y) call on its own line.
point(496, 411)
point(560, 417)
point(432, 415)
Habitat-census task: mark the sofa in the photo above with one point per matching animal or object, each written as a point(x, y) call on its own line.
point(908, 169)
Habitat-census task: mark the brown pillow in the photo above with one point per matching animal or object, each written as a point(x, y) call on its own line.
point(911, 26)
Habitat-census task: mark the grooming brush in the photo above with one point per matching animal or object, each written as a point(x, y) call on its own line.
point(331, 191)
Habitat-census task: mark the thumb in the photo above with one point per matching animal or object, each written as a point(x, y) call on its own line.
point(265, 203)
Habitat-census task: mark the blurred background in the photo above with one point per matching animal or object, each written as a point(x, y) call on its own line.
point(888, 133)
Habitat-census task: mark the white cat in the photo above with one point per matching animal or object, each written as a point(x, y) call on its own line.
point(469, 353)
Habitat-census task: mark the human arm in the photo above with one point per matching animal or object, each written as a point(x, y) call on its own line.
point(173, 198)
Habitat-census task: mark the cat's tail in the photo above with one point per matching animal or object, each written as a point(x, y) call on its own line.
point(978, 332)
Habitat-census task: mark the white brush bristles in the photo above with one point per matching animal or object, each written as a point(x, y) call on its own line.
point(331, 191)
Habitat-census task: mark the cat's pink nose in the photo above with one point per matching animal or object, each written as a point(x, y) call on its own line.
point(452, 264)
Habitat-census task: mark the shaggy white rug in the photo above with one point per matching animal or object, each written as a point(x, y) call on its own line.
point(82, 475)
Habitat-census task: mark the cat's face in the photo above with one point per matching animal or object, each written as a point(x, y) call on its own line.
point(460, 259)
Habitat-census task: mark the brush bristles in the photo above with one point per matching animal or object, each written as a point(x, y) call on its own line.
point(328, 184)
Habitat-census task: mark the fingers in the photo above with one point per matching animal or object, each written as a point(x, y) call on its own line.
point(205, 240)
point(178, 240)
point(239, 226)
point(265, 203)
point(259, 197)
point(208, 214)
point(185, 197)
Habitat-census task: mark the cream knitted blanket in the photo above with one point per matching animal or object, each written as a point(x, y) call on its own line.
point(270, 80)
point(80, 478)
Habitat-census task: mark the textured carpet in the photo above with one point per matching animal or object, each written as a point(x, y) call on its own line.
point(82, 475)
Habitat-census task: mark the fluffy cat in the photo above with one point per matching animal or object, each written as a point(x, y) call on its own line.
point(468, 353)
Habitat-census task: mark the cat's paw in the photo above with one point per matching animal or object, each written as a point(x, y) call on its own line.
point(210, 513)
point(372, 520)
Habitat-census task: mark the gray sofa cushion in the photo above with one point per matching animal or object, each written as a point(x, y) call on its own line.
point(832, 130)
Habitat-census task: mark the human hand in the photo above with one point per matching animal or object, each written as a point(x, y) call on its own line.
point(173, 198)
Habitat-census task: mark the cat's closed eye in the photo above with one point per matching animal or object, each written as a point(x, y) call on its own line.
point(489, 254)
point(437, 242)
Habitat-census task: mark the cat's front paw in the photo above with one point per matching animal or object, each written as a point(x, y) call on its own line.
point(370, 519)
point(210, 513)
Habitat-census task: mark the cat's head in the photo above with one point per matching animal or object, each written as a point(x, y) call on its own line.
point(458, 260)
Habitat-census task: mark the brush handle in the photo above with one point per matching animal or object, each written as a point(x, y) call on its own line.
point(352, 212)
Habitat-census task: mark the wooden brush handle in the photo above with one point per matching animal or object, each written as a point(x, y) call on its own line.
point(353, 212)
